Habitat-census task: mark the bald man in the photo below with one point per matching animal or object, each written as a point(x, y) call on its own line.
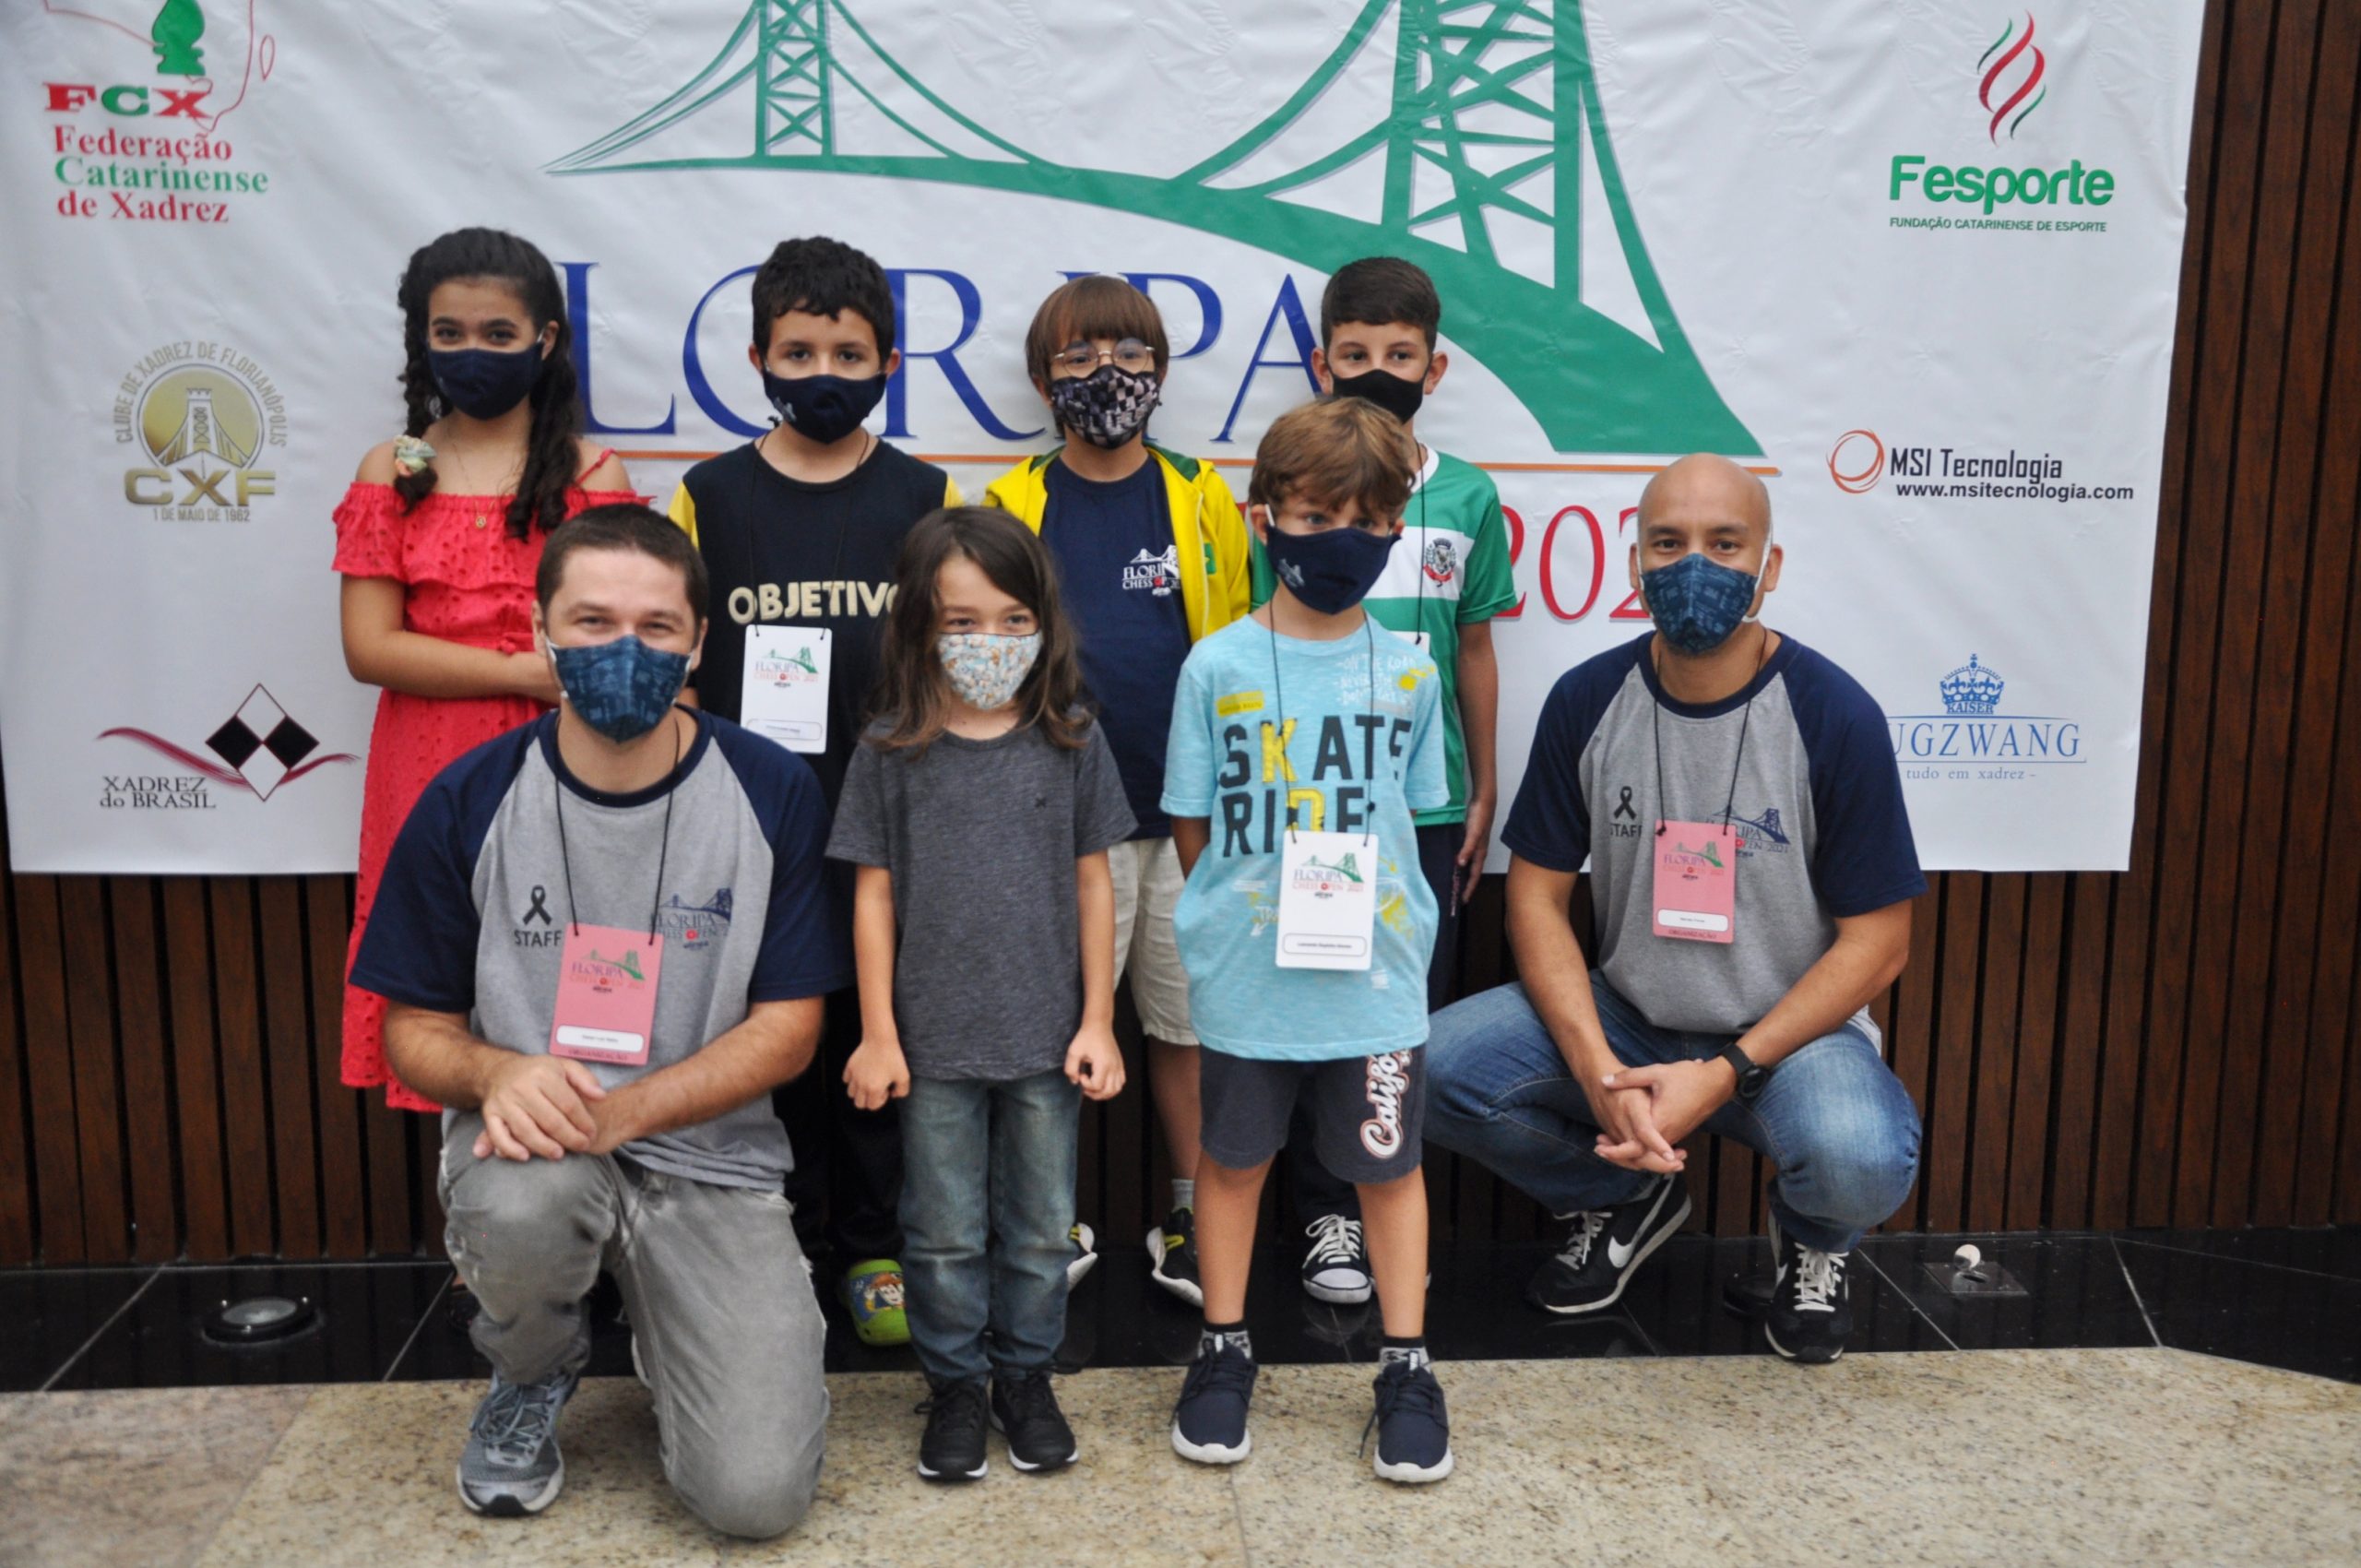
point(1752, 873)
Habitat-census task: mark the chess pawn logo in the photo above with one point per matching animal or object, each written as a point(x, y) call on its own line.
point(179, 24)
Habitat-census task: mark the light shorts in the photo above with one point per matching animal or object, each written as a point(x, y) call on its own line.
point(1147, 886)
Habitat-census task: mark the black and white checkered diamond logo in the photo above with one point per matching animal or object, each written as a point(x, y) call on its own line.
point(262, 742)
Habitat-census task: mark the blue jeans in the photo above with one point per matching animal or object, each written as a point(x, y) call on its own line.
point(987, 1172)
point(1834, 1119)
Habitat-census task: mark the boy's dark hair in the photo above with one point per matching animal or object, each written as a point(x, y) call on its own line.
point(914, 689)
point(1100, 306)
point(1377, 290)
point(552, 452)
point(823, 277)
point(626, 525)
point(1335, 452)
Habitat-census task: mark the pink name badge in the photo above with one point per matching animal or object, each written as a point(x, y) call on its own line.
point(606, 995)
point(1695, 895)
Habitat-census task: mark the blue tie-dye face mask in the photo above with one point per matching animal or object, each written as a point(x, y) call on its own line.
point(622, 689)
point(1698, 603)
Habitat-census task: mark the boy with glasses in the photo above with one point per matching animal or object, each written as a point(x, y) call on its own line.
point(1152, 558)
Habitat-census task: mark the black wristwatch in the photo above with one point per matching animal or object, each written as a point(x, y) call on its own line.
point(1752, 1074)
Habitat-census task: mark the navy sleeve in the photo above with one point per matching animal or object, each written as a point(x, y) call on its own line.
point(1549, 823)
point(803, 951)
point(1866, 858)
point(420, 947)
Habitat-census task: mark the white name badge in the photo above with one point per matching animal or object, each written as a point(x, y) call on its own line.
point(1327, 900)
point(784, 695)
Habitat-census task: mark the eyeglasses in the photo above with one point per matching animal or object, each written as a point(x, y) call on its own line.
point(1081, 359)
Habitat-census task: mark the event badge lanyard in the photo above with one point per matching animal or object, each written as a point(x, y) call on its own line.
point(607, 978)
point(783, 691)
point(1327, 881)
point(1420, 638)
point(1695, 892)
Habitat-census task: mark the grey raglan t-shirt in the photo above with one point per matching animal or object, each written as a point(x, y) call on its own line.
point(471, 916)
point(1802, 760)
point(982, 837)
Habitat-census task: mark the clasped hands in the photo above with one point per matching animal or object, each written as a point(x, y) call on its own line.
point(1643, 1113)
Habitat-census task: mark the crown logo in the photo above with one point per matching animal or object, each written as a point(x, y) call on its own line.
point(1972, 688)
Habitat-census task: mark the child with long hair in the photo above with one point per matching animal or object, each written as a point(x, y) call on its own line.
point(438, 538)
point(978, 810)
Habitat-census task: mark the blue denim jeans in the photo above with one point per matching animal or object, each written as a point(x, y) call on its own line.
point(987, 1172)
point(1834, 1119)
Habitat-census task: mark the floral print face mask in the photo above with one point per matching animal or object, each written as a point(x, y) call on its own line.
point(985, 668)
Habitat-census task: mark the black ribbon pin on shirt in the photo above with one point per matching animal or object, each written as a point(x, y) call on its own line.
point(1624, 807)
point(540, 909)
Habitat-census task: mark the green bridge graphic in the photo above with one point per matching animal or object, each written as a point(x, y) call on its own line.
point(1470, 151)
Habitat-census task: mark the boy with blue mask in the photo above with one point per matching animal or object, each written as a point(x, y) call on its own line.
point(1303, 740)
point(1751, 868)
point(1380, 323)
point(799, 529)
point(602, 937)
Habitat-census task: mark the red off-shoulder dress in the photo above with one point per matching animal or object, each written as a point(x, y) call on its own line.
point(464, 580)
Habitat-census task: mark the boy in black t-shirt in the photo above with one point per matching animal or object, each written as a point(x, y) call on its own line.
point(799, 529)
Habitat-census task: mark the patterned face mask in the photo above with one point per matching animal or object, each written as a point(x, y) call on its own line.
point(622, 689)
point(1696, 604)
point(1108, 407)
point(986, 670)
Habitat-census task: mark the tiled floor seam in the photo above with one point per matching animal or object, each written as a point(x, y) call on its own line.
point(416, 1329)
point(100, 1332)
point(1912, 1301)
point(198, 1549)
point(2147, 1317)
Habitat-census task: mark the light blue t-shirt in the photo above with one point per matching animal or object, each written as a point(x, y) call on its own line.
point(1358, 722)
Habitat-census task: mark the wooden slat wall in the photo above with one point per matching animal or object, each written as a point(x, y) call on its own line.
point(2174, 1045)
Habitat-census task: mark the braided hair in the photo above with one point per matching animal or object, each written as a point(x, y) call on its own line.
point(552, 452)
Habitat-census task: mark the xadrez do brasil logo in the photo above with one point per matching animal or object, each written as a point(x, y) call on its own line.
point(2012, 81)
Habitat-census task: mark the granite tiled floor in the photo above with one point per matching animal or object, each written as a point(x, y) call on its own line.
point(2133, 1455)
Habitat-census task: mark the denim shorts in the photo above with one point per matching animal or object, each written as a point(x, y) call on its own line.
point(1368, 1113)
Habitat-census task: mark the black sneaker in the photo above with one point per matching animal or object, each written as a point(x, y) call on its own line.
point(1413, 1429)
point(1811, 1309)
point(1173, 1247)
point(953, 1448)
point(1337, 1268)
point(1209, 1423)
point(1604, 1245)
point(1024, 1409)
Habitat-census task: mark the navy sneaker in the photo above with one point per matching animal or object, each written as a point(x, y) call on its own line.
point(1209, 1423)
point(1413, 1429)
point(1810, 1315)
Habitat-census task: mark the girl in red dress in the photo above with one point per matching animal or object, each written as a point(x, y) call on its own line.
point(438, 540)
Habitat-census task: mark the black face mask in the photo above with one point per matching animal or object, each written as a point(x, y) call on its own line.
point(484, 384)
point(1388, 391)
point(824, 409)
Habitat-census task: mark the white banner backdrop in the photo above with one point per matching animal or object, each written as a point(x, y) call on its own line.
point(1916, 261)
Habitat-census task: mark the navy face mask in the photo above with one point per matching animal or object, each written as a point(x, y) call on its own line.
point(484, 384)
point(1698, 603)
point(622, 689)
point(1396, 395)
point(824, 409)
point(1330, 571)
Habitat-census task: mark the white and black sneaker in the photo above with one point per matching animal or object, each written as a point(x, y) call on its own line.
point(1604, 1245)
point(1810, 1315)
point(1172, 1255)
point(1335, 1269)
point(1085, 1253)
point(952, 1448)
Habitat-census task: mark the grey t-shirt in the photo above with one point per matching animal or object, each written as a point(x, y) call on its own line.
point(982, 837)
point(1801, 760)
point(471, 915)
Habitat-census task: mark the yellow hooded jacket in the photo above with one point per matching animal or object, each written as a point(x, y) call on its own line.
point(1216, 579)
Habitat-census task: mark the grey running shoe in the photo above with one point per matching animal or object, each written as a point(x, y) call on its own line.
point(511, 1466)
